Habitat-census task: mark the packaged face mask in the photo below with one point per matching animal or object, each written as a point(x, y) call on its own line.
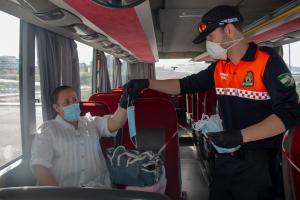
point(212, 124)
point(72, 112)
point(131, 121)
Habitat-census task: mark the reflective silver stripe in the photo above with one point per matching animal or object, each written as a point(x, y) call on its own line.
point(243, 93)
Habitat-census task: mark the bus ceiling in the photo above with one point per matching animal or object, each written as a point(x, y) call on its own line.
point(150, 29)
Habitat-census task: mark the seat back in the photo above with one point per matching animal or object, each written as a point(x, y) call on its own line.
point(159, 115)
point(295, 157)
point(148, 93)
point(111, 99)
point(290, 163)
point(210, 102)
point(118, 90)
point(189, 108)
point(205, 103)
point(94, 107)
point(98, 109)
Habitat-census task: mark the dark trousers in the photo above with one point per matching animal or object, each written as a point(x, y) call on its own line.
point(241, 179)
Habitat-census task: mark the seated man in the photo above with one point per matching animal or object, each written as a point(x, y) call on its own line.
point(67, 152)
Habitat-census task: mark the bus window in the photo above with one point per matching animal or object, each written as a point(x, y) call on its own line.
point(292, 59)
point(110, 62)
point(37, 98)
point(112, 71)
point(85, 55)
point(10, 132)
point(124, 71)
point(177, 68)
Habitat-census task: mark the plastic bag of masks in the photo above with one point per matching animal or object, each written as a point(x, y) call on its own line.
point(212, 124)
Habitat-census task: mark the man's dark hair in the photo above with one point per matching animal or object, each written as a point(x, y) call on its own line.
point(58, 90)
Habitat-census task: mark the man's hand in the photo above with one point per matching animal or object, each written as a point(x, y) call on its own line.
point(124, 99)
point(226, 139)
point(135, 86)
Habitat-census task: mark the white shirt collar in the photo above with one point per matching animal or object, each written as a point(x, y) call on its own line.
point(61, 120)
point(81, 125)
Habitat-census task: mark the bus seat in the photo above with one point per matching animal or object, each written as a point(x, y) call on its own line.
point(211, 102)
point(148, 93)
point(95, 108)
point(158, 115)
point(197, 105)
point(295, 157)
point(98, 109)
point(189, 108)
point(291, 176)
point(118, 90)
point(110, 99)
point(179, 103)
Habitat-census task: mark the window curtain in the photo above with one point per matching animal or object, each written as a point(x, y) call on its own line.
point(117, 73)
point(140, 70)
point(102, 71)
point(59, 65)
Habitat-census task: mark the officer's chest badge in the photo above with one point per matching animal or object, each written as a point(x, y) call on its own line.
point(249, 79)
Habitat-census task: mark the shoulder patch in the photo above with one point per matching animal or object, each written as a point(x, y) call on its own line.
point(286, 79)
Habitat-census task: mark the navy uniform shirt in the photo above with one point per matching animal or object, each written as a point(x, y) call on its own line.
point(238, 112)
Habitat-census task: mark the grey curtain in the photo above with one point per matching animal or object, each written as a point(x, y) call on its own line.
point(117, 73)
point(102, 71)
point(58, 64)
point(140, 70)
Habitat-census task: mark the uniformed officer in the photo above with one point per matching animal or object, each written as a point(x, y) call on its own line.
point(257, 102)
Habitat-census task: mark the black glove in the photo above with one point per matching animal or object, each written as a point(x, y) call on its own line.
point(135, 86)
point(226, 139)
point(124, 99)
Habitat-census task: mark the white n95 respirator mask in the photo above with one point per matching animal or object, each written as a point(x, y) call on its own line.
point(216, 51)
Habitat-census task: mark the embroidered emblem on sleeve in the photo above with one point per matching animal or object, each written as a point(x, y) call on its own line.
point(286, 79)
point(249, 79)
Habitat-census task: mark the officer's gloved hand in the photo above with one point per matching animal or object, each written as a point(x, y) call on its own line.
point(124, 99)
point(226, 139)
point(135, 86)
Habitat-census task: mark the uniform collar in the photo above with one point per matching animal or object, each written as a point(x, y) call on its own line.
point(250, 53)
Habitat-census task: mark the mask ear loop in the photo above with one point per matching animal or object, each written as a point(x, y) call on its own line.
point(128, 100)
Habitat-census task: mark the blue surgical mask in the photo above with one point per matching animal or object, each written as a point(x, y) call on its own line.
point(72, 112)
point(131, 121)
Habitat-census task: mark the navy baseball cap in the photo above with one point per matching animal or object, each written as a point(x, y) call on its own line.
point(217, 17)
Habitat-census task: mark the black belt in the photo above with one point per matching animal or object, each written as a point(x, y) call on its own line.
point(250, 154)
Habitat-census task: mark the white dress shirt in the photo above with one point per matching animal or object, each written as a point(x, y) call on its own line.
point(74, 156)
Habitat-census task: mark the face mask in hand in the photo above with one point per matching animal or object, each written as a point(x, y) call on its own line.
point(131, 124)
point(131, 121)
point(216, 51)
point(72, 112)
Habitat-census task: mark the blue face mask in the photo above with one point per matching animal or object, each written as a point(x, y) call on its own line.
point(72, 112)
point(131, 121)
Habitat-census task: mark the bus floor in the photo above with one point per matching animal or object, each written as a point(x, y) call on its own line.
point(194, 184)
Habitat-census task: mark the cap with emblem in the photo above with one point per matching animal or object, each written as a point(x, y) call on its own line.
point(217, 17)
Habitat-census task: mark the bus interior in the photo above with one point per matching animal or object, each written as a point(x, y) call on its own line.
point(124, 44)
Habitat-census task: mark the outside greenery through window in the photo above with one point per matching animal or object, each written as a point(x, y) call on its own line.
point(10, 132)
